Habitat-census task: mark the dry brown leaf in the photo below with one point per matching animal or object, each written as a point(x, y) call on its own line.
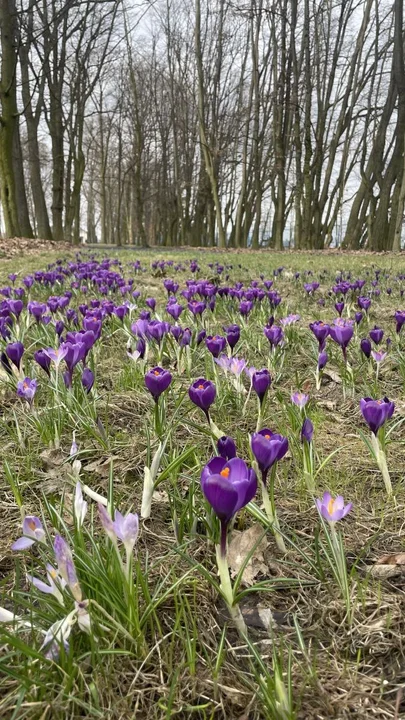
point(241, 545)
point(394, 559)
point(52, 458)
point(101, 466)
point(389, 566)
point(328, 404)
point(332, 375)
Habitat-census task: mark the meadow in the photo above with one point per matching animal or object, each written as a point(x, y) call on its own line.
point(201, 479)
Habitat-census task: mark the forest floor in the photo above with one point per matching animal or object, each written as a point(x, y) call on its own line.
point(26, 247)
point(316, 649)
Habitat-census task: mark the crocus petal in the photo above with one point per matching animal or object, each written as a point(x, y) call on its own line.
point(222, 497)
point(22, 543)
point(347, 509)
point(214, 467)
point(40, 585)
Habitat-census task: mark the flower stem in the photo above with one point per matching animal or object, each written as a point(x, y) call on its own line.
point(270, 509)
point(382, 462)
point(259, 416)
point(226, 584)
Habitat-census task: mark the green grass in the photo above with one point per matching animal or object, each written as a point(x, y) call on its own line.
point(164, 646)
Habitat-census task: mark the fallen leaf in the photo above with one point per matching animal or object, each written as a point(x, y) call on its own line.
point(332, 375)
point(328, 404)
point(52, 458)
point(263, 618)
point(101, 466)
point(241, 545)
point(389, 566)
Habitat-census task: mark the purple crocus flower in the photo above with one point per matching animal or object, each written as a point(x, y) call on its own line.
point(331, 509)
point(274, 335)
point(365, 347)
point(157, 381)
point(268, 448)
point(232, 335)
point(307, 431)
point(378, 356)
point(299, 399)
point(140, 328)
point(290, 319)
point(14, 353)
point(32, 532)
point(261, 381)
point(16, 307)
point(126, 528)
point(59, 327)
point(358, 317)
point(245, 307)
point(339, 307)
point(26, 389)
point(376, 412)
point(157, 329)
point(235, 365)
point(341, 333)
point(321, 332)
point(228, 486)
point(200, 337)
point(376, 334)
point(66, 568)
point(5, 364)
point(120, 311)
point(197, 307)
point(174, 309)
point(202, 393)
point(36, 309)
point(363, 303)
point(226, 447)
point(322, 360)
point(56, 355)
point(43, 360)
point(87, 379)
point(151, 302)
point(399, 319)
point(185, 337)
point(215, 344)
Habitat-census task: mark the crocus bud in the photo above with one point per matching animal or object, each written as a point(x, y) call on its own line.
point(15, 352)
point(226, 447)
point(307, 431)
point(5, 363)
point(322, 360)
point(66, 568)
point(376, 334)
point(365, 347)
point(232, 335)
point(87, 379)
point(215, 344)
point(268, 448)
point(261, 381)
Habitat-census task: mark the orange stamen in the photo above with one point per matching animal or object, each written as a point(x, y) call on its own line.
point(225, 472)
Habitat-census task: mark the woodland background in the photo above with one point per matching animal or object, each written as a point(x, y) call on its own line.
point(188, 122)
